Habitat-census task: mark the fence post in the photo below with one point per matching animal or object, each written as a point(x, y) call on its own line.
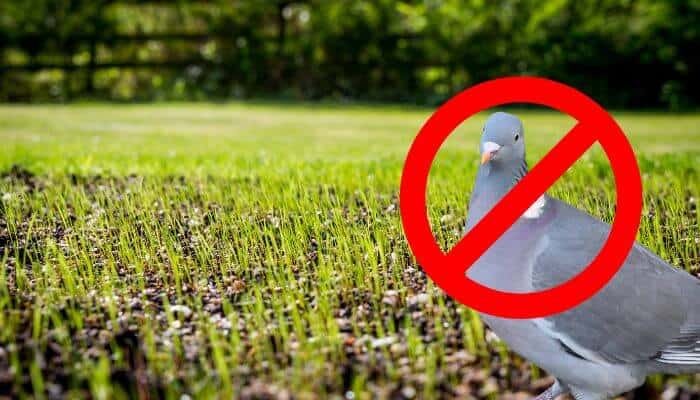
point(98, 27)
point(279, 68)
point(90, 78)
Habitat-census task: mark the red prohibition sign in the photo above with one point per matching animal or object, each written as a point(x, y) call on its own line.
point(447, 270)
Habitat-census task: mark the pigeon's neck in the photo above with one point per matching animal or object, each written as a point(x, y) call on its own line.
point(505, 265)
point(493, 181)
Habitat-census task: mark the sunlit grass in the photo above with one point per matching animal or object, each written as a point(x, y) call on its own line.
point(206, 248)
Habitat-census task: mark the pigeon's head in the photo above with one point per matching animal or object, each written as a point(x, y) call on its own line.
point(502, 140)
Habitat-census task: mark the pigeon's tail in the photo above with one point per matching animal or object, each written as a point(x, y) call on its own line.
point(682, 355)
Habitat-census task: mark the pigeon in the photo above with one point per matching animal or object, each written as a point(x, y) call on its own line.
point(646, 320)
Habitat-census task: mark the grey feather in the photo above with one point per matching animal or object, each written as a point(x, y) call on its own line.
point(640, 313)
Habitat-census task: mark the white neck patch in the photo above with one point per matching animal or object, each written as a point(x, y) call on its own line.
point(536, 209)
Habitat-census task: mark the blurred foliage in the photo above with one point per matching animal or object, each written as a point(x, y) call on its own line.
point(625, 53)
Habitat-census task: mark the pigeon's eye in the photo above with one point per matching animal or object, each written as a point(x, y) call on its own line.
point(517, 137)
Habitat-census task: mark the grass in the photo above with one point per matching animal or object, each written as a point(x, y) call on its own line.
point(251, 250)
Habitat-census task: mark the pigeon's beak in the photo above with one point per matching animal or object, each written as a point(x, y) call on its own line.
point(488, 151)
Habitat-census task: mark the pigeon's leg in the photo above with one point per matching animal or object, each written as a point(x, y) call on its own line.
point(553, 391)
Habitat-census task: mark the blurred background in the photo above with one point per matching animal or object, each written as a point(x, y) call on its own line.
point(624, 53)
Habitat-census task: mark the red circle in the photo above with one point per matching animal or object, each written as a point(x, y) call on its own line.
point(444, 270)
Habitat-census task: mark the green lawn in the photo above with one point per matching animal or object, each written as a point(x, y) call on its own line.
point(222, 250)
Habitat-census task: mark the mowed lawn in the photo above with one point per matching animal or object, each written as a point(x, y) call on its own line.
point(256, 250)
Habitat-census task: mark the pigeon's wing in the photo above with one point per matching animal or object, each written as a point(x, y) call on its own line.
point(641, 311)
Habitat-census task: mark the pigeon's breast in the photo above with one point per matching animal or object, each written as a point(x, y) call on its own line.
point(507, 264)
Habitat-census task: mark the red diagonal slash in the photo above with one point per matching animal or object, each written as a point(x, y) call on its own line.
point(447, 270)
point(516, 202)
